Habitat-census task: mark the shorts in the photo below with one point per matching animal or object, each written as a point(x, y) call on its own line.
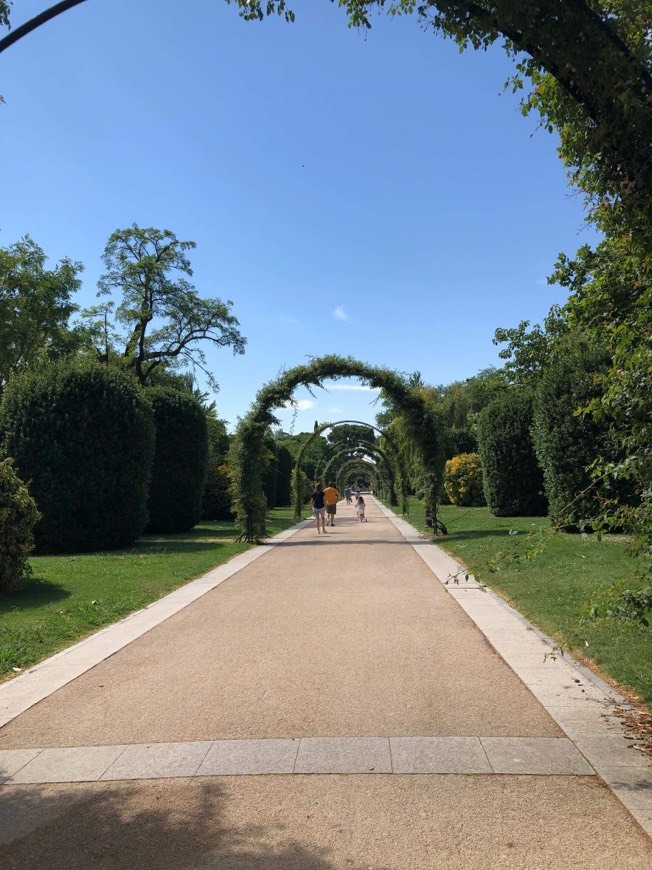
point(331, 509)
point(318, 512)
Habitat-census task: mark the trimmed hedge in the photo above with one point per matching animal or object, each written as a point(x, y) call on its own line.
point(18, 516)
point(284, 481)
point(513, 480)
point(82, 437)
point(463, 480)
point(180, 461)
point(216, 503)
point(566, 444)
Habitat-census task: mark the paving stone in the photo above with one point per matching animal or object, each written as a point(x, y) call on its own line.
point(80, 764)
point(241, 757)
point(610, 751)
point(158, 760)
point(438, 755)
point(11, 761)
point(632, 785)
point(343, 755)
point(540, 755)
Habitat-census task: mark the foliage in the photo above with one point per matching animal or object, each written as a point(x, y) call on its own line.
point(567, 442)
point(301, 488)
point(163, 319)
point(463, 480)
point(513, 482)
point(284, 482)
point(247, 455)
point(349, 434)
point(82, 437)
point(35, 306)
point(620, 601)
point(307, 448)
point(270, 475)
point(180, 461)
point(216, 502)
point(18, 516)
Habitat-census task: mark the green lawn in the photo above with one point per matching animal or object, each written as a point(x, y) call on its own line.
point(69, 597)
point(551, 588)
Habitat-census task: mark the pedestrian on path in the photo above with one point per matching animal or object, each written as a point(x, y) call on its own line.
point(359, 510)
point(347, 494)
point(318, 507)
point(331, 497)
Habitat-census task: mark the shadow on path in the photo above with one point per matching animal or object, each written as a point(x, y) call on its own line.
point(158, 825)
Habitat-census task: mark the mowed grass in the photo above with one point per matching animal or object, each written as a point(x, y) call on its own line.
point(552, 587)
point(69, 597)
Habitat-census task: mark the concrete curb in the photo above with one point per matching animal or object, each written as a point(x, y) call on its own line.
point(580, 702)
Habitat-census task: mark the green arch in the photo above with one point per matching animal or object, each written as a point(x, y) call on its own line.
point(297, 499)
point(372, 451)
point(247, 459)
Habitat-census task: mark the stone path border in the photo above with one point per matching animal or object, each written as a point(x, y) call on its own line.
point(580, 702)
point(21, 693)
point(307, 755)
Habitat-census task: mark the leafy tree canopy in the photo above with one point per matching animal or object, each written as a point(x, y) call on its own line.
point(350, 434)
point(160, 320)
point(35, 306)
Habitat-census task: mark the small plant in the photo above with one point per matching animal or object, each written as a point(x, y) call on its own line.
point(463, 480)
point(621, 603)
point(18, 516)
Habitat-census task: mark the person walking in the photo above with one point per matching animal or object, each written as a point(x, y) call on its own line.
point(331, 497)
point(347, 494)
point(318, 507)
point(359, 510)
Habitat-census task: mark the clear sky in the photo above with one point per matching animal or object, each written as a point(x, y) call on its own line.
point(375, 195)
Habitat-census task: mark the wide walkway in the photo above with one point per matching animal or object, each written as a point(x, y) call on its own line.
point(331, 705)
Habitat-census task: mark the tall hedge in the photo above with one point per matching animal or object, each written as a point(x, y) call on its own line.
point(82, 437)
point(567, 443)
point(513, 480)
point(284, 479)
point(180, 461)
point(463, 480)
point(18, 516)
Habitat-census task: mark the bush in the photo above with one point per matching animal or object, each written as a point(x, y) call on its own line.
point(513, 480)
point(270, 473)
point(82, 437)
point(216, 504)
point(463, 480)
point(566, 443)
point(180, 461)
point(18, 516)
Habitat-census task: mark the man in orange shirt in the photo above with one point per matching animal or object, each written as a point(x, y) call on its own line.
point(331, 497)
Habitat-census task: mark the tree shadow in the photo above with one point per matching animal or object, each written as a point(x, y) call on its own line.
point(153, 825)
point(32, 593)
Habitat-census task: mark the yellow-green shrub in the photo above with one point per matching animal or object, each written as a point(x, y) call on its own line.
point(463, 480)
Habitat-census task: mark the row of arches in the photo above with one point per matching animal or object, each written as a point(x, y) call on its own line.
point(247, 456)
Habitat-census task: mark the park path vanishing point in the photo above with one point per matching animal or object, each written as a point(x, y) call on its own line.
point(326, 702)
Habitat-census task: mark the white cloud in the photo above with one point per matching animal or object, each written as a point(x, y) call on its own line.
point(354, 388)
point(301, 404)
point(340, 314)
point(335, 410)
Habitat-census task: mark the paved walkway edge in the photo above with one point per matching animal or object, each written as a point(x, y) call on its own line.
point(519, 756)
point(580, 703)
point(45, 678)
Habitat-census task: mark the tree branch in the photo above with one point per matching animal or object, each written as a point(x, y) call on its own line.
point(37, 21)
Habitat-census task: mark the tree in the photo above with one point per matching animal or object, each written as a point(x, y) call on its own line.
point(35, 306)
point(350, 434)
point(163, 318)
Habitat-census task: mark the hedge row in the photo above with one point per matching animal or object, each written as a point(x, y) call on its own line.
point(82, 437)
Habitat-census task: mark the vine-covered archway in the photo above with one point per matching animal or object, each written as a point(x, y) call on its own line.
point(247, 451)
point(332, 470)
point(395, 463)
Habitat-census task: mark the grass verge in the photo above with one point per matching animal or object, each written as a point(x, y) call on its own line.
point(69, 597)
point(552, 587)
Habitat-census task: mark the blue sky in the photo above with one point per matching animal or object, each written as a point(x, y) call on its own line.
point(375, 195)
